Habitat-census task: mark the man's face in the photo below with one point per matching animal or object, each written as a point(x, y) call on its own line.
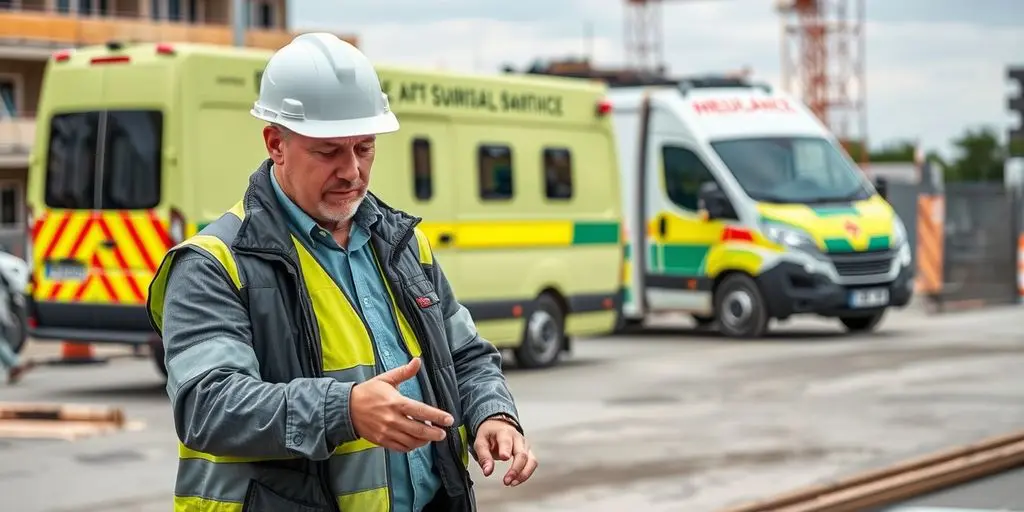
point(327, 178)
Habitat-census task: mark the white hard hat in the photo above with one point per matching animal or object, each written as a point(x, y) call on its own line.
point(321, 86)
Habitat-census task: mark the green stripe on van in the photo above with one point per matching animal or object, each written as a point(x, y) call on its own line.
point(833, 211)
point(841, 245)
point(595, 233)
point(684, 259)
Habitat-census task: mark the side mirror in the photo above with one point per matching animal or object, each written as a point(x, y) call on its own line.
point(713, 200)
point(882, 186)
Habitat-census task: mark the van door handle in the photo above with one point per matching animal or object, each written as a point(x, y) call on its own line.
point(662, 226)
point(107, 244)
point(445, 238)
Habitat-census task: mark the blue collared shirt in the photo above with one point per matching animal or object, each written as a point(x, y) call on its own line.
point(354, 268)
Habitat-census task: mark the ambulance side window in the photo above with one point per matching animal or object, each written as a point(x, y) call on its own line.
point(684, 174)
point(557, 168)
point(495, 172)
point(422, 177)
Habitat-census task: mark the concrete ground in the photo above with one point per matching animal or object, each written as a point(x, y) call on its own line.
point(668, 419)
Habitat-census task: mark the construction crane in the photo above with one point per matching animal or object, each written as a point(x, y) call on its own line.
point(822, 57)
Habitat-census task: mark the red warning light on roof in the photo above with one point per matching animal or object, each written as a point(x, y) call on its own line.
point(164, 49)
point(604, 107)
point(62, 55)
point(742, 106)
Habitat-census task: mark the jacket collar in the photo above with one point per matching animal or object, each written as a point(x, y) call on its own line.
point(265, 226)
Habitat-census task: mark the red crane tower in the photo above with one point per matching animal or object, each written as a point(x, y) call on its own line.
point(826, 37)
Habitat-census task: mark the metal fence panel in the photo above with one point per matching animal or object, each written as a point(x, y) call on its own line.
point(980, 243)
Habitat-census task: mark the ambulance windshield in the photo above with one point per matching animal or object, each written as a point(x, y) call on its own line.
point(792, 170)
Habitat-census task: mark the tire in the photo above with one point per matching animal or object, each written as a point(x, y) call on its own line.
point(543, 335)
point(861, 324)
point(740, 307)
point(703, 321)
point(17, 334)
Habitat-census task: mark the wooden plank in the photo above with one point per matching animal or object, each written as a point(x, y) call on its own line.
point(60, 412)
point(901, 481)
point(45, 429)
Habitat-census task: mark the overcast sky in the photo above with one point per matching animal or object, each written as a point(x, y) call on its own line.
point(934, 67)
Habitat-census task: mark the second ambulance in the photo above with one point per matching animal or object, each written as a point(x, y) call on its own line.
point(741, 207)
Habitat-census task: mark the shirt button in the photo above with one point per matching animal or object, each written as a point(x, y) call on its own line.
point(297, 439)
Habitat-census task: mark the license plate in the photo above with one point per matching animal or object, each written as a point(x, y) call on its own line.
point(869, 298)
point(66, 271)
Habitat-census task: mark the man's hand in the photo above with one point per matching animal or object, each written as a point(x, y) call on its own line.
point(497, 439)
point(381, 415)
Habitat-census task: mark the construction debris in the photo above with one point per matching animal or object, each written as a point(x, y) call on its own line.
point(58, 421)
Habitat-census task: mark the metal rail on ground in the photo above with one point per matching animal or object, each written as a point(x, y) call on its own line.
point(890, 485)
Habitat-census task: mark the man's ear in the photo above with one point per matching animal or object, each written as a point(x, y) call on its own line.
point(274, 140)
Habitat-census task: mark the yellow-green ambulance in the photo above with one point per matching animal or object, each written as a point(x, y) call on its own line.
point(139, 146)
point(740, 207)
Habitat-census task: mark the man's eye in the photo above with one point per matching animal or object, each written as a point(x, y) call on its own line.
point(366, 148)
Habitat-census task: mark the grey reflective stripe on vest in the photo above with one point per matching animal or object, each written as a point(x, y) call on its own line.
point(358, 373)
point(364, 470)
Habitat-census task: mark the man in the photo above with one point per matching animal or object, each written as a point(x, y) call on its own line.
point(294, 326)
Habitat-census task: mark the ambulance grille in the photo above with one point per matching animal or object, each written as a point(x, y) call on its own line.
point(862, 264)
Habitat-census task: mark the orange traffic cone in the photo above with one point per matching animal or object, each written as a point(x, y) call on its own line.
point(76, 353)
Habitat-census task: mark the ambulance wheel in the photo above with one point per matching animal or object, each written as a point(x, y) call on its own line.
point(861, 324)
point(543, 334)
point(702, 321)
point(740, 307)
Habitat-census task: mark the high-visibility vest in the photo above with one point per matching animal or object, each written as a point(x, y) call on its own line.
point(358, 469)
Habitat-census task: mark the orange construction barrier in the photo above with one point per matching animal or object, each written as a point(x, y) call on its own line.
point(931, 213)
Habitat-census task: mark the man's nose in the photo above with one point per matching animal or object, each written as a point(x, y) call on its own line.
point(347, 166)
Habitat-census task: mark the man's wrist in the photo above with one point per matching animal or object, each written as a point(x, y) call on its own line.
point(506, 418)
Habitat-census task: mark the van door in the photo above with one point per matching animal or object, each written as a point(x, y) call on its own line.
point(103, 174)
point(677, 278)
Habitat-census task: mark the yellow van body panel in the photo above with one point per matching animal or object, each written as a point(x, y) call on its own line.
point(500, 254)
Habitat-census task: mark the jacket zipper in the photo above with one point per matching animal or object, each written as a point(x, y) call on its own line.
point(452, 432)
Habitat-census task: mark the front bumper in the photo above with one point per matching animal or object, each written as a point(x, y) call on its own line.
point(789, 289)
point(89, 323)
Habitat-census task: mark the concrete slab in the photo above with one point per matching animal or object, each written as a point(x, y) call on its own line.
point(668, 419)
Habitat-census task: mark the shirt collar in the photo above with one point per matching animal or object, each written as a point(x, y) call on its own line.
point(301, 222)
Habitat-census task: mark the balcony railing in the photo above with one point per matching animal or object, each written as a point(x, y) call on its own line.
point(62, 30)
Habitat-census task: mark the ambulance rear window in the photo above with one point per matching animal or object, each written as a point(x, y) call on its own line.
point(123, 174)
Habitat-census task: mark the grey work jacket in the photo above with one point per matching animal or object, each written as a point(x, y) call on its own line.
point(271, 399)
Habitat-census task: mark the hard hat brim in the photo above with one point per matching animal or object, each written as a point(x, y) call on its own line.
point(384, 123)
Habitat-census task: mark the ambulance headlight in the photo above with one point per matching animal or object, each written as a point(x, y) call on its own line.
point(791, 238)
point(900, 242)
point(899, 232)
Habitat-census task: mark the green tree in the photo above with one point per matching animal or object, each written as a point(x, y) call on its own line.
point(980, 156)
point(896, 151)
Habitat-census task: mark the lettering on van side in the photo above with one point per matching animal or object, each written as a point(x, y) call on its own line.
point(472, 98)
point(736, 105)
